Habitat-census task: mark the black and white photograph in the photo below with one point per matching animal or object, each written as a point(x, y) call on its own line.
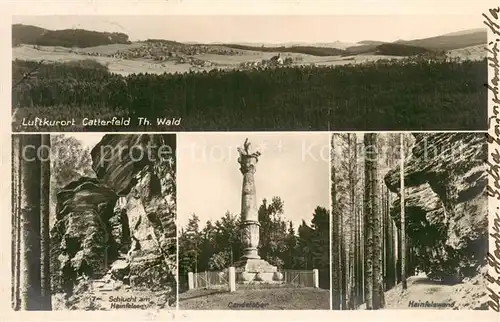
point(409, 221)
point(93, 222)
point(253, 221)
point(362, 72)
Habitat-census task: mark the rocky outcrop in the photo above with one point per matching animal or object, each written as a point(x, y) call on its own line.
point(126, 228)
point(446, 203)
point(136, 167)
point(80, 238)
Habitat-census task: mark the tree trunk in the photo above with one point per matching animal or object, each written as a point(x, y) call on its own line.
point(390, 241)
point(16, 243)
point(45, 223)
point(356, 262)
point(30, 223)
point(386, 248)
point(403, 225)
point(378, 292)
point(362, 236)
point(336, 284)
point(369, 221)
point(351, 246)
point(359, 260)
point(342, 262)
point(354, 221)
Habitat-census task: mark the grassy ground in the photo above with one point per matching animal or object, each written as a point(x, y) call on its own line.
point(283, 298)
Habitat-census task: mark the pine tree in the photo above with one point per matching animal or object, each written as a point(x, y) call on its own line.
point(336, 262)
point(368, 144)
point(16, 229)
point(403, 225)
point(352, 218)
point(45, 223)
point(30, 223)
point(378, 291)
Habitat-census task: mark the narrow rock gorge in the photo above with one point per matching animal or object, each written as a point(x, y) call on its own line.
point(446, 205)
point(119, 226)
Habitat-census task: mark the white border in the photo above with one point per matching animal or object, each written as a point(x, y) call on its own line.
point(492, 121)
point(246, 7)
point(205, 7)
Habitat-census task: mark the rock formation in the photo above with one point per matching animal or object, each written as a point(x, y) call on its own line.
point(446, 203)
point(122, 223)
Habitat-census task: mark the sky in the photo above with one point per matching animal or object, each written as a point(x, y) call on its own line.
point(266, 29)
point(87, 139)
point(293, 167)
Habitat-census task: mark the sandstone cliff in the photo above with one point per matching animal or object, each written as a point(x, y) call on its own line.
point(446, 203)
point(120, 224)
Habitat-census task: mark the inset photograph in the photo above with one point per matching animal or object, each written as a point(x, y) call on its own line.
point(249, 73)
point(410, 221)
point(254, 222)
point(93, 221)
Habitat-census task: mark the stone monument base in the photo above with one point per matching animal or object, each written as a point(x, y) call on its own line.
point(252, 270)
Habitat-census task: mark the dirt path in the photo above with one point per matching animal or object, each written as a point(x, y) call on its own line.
point(423, 293)
point(108, 294)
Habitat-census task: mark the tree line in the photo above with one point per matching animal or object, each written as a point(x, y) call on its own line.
point(32, 35)
point(409, 94)
point(217, 245)
point(370, 250)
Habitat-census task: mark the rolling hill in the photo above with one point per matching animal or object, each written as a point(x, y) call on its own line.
point(78, 38)
point(445, 42)
point(32, 35)
point(450, 41)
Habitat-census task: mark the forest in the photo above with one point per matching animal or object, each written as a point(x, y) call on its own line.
point(214, 246)
point(390, 49)
point(308, 50)
point(400, 50)
point(411, 94)
point(409, 220)
point(32, 35)
point(365, 238)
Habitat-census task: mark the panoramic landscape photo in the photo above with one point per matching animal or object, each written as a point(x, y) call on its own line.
point(93, 222)
point(192, 73)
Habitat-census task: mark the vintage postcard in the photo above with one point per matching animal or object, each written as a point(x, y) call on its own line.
point(236, 160)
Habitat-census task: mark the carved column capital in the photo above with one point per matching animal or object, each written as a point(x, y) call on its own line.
point(247, 163)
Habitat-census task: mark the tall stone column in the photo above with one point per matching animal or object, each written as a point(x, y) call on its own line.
point(249, 213)
point(251, 268)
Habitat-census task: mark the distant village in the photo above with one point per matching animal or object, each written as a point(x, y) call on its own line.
point(163, 51)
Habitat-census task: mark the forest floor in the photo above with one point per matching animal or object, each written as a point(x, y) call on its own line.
point(471, 294)
point(283, 298)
